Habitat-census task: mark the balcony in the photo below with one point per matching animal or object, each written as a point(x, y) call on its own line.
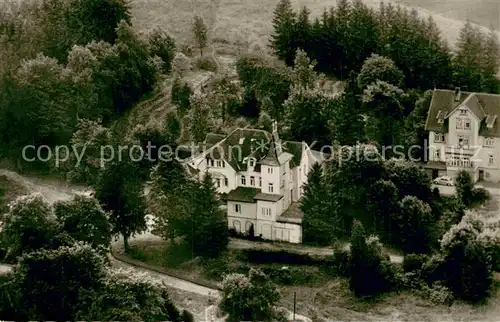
point(462, 163)
point(464, 150)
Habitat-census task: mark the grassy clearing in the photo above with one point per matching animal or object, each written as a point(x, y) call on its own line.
point(483, 12)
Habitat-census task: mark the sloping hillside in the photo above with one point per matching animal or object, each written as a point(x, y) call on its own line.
point(247, 24)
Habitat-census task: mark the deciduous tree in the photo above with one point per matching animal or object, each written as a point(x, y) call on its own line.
point(120, 192)
point(249, 298)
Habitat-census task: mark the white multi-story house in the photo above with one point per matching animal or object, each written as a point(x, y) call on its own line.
point(464, 134)
point(260, 177)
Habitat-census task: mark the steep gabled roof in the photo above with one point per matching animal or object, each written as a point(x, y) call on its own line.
point(472, 103)
point(271, 158)
point(483, 105)
point(212, 139)
point(442, 104)
point(242, 144)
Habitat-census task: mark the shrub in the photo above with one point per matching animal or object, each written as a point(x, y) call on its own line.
point(289, 275)
point(181, 64)
point(341, 259)
point(414, 262)
point(249, 298)
point(187, 316)
point(371, 273)
point(437, 293)
point(434, 269)
point(206, 63)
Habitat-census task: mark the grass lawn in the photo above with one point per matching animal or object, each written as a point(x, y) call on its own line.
point(319, 294)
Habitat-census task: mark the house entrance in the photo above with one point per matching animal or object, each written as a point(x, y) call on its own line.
point(435, 173)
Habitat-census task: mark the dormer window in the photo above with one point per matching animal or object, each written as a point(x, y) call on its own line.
point(489, 142)
point(439, 137)
point(251, 162)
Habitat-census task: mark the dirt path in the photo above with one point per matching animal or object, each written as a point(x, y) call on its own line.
point(51, 190)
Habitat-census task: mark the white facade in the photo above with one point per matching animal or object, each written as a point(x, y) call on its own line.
point(460, 145)
point(274, 184)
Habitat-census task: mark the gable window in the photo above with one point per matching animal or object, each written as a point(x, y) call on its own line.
point(252, 181)
point(463, 111)
point(251, 163)
point(489, 142)
point(440, 121)
point(226, 182)
point(211, 162)
point(271, 188)
point(243, 180)
point(260, 181)
point(491, 160)
point(467, 124)
point(439, 137)
point(459, 124)
point(237, 208)
point(219, 164)
point(270, 170)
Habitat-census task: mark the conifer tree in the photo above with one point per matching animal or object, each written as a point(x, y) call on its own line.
point(200, 32)
point(283, 37)
point(468, 58)
point(303, 70)
point(491, 63)
point(319, 223)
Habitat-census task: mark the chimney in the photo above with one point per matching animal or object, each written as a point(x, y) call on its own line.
point(276, 139)
point(458, 93)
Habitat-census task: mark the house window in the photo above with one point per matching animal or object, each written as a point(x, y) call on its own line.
point(211, 162)
point(270, 170)
point(463, 140)
point(489, 142)
point(439, 137)
point(251, 162)
point(491, 160)
point(252, 181)
point(463, 111)
point(266, 211)
point(271, 188)
point(226, 182)
point(243, 180)
point(467, 124)
point(459, 124)
point(237, 208)
point(217, 181)
point(436, 155)
point(260, 181)
point(219, 164)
